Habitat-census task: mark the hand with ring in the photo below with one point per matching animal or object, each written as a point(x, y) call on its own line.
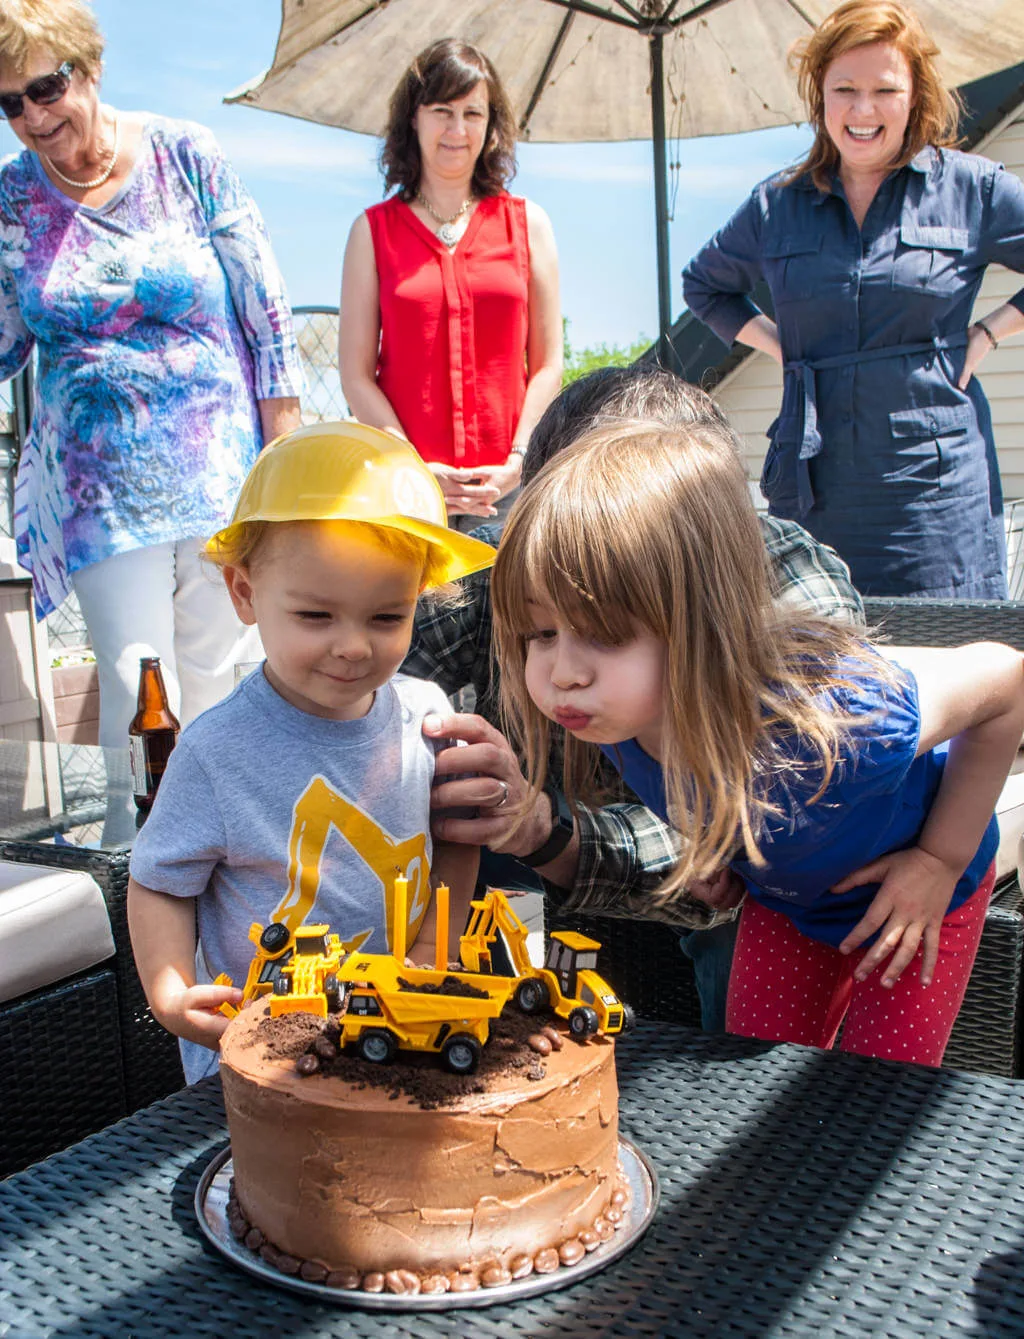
point(484, 774)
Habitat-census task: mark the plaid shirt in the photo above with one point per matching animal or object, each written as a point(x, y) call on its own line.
point(625, 850)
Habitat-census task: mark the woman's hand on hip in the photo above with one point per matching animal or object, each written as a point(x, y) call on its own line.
point(907, 911)
point(466, 492)
point(979, 346)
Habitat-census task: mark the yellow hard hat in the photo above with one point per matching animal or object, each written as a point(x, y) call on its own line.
point(348, 472)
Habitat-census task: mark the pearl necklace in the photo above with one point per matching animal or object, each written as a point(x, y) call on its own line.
point(446, 232)
point(96, 181)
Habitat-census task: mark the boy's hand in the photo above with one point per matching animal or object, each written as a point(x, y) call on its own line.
point(192, 1013)
point(425, 955)
point(916, 888)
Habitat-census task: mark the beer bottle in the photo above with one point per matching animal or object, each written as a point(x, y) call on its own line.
point(152, 734)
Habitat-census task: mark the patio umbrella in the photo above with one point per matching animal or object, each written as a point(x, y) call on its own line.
point(597, 70)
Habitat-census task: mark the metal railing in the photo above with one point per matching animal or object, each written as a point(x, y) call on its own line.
point(1014, 517)
point(316, 330)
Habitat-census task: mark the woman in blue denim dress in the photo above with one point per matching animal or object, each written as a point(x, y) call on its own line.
point(874, 249)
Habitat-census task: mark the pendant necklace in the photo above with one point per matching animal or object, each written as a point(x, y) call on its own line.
point(446, 232)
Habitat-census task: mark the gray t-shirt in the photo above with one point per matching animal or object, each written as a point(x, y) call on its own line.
point(266, 813)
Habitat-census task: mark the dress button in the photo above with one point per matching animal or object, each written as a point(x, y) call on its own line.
point(932, 425)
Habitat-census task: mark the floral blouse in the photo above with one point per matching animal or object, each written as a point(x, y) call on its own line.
point(159, 319)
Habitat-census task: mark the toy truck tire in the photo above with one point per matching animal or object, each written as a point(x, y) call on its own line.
point(332, 993)
point(583, 1022)
point(378, 1045)
point(628, 1017)
point(461, 1053)
point(274, 937)
point(282, 985)
point(532, 995)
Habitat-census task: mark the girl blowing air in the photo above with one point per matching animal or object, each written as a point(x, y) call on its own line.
point(852, 794)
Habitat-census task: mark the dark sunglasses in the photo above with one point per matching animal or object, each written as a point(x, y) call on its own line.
point(42, 91)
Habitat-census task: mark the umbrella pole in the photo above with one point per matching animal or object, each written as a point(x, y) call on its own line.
point(666, 353)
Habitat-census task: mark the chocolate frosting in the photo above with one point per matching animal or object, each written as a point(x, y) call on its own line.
point(361, 1177)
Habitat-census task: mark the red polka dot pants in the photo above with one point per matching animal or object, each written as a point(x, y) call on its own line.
point(786, 987)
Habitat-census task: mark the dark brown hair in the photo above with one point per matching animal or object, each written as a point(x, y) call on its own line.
point(447, 70)
point(935, 110)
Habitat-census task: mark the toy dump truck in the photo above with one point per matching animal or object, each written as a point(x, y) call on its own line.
point(382, 1005)
point(391, 1008)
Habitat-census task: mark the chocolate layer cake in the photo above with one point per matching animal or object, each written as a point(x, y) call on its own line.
point(409, 1178)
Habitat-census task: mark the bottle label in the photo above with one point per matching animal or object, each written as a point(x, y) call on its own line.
point(140, 772)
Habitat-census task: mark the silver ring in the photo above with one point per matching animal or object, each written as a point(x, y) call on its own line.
point(504, 794)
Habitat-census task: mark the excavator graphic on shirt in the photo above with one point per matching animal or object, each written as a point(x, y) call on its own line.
point(319, 809)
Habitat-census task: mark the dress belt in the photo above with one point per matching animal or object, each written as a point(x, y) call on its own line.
point(805, 368)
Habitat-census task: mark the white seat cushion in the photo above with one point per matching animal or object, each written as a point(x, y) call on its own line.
point(53, 923)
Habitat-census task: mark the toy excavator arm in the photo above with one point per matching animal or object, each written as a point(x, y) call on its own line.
point(489, 917)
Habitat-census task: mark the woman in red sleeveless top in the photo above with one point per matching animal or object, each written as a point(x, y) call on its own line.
point(451, 331)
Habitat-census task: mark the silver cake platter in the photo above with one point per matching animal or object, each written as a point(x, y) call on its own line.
point(211, 1204)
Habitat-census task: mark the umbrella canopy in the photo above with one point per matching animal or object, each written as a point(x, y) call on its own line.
point(597, 70)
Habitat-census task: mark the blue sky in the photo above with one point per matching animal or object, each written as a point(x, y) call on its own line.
point(311, 181)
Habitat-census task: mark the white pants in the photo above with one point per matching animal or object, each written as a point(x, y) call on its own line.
point(161, 601)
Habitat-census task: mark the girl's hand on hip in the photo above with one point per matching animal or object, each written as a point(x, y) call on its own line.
point(979, 346)
point(916, 888)
point(723, 890)
point(466, 492)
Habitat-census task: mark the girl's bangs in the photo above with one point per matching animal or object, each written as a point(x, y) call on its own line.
point(574, 566)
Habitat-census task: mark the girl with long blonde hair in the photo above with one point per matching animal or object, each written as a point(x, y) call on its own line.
point(633, 608)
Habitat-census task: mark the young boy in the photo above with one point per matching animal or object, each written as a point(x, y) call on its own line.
point(302, 795)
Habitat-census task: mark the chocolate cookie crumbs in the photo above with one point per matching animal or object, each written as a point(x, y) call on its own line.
point(416, 1075)
point(451, 985)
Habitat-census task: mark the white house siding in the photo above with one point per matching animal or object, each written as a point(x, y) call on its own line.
point(751, 394)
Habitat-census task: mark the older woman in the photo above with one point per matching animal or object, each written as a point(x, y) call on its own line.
point(451, 330)
point(874, 249)
point(137, 266)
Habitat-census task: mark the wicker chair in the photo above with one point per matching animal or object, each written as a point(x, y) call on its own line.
point(60, 1061)
point(947, 622)
point(150, 1060)
point(644, 961)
